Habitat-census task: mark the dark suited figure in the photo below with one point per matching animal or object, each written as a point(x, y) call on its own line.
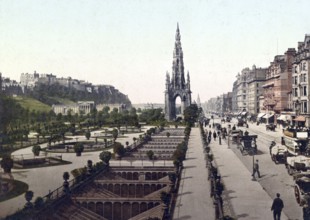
point(256, 169)
point(214, 135)
point(277, 207)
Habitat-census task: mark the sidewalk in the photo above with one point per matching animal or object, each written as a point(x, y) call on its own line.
point(194, 201)
point(247, 198)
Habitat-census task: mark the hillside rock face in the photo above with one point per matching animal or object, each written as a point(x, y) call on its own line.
point(99, 94)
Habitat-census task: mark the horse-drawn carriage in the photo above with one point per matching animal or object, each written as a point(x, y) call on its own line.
point(302, 188)
point(248, 144)
point(241, 123)
point(235, 135)
point(278, 153)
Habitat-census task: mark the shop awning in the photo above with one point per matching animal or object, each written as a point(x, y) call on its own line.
point(300, 118)
point(268, 115)
point(285, 118)
point(261, 115)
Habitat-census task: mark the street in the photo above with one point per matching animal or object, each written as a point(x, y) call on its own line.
point(274, 177)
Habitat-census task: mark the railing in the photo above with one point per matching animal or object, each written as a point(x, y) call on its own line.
point(216, 186)
point(53, 198)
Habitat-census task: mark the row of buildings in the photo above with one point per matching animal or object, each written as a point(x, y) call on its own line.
point(281, 90)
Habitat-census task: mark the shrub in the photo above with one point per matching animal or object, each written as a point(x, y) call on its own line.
point(36, 150)
point(150, 154)
point(7, 163)
point(118, 149)
point(78, 148)
point(105, 156)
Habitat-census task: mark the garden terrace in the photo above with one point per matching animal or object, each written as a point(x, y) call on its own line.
point(122, 193)
point(172, 131)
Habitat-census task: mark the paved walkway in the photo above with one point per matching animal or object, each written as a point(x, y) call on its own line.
point(247, 197)
point(194, 201)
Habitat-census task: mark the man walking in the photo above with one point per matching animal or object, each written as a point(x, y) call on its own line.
point(214, 135)
point(277, 207)
point(256, 169)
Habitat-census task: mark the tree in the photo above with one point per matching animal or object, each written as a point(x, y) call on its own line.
point(38, 203)
point(7, 163)
point(87, 135)
point(78, 148)
point(89, 167)
point(150, 154)
point(105, 156)
point(119, 150)
point(165, 197)
point(191, 114)
point(36, 150)
point(28, 197)
point(127, 145)
point(114, 134)
point(66, 176)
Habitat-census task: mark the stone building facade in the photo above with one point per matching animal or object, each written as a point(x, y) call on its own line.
point(242, 90)
point(255, 80)
point(301, 82)
point(278, 83)
point(81, 107)
point(234, 102)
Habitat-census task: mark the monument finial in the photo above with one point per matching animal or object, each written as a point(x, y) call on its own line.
point(177, 35)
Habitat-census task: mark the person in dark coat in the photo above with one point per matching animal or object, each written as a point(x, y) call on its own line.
point(214, 135)
point(277, 207)
point(256, 169)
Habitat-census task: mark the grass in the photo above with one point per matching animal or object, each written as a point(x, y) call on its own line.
point(19, 188)
point(63, 101)
point(32, 104)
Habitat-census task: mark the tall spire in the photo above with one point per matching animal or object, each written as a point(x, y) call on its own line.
point(177, 34)
point(177, 65)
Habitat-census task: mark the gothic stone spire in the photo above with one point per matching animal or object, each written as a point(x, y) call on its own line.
point(178, 79)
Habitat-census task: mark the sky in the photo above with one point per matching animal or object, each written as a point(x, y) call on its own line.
point(129, 44)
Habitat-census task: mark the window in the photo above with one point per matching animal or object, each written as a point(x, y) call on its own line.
point(305, 91)
point(295, 69)
point(304, 66)
point(295, 80)
point(295, 92)
point(305, 107)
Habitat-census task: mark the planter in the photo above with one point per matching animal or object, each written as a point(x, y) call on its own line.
point(78, 154)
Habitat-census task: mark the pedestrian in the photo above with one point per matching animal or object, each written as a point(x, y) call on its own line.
point(256, 169)
point(214, 135)
point(277, 207)
point(209, 138)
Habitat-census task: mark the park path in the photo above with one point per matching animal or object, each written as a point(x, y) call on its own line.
point(194, 201)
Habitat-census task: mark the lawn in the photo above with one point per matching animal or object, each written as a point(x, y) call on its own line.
point(32, 104)
point(19, 188)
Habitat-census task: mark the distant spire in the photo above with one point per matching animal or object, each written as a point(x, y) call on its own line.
point(198, 101)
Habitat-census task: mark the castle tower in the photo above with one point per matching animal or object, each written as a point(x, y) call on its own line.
point(176, 86)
